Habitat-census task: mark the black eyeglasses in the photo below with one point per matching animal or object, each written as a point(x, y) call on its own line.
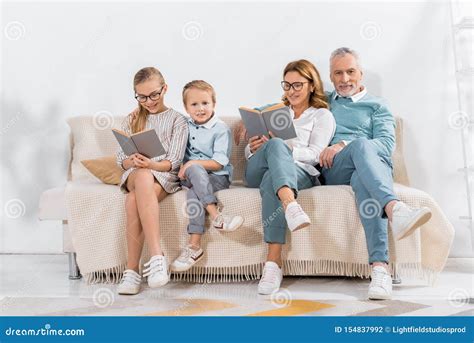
point(297, 86)
point(153, 96)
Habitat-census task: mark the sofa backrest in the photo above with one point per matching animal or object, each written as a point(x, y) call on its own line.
point(91, 137)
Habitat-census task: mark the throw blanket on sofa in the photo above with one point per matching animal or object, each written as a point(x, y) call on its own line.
point(334, 244)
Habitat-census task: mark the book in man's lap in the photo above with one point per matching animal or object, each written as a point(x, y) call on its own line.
point(145, 143)
point(276, 118)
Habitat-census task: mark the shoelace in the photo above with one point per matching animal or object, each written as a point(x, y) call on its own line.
point(294, 211)
point(128, 276)
point(269, 275)
point(218, 221)
point(186, 254)
point(379, 278)
point(154, 266)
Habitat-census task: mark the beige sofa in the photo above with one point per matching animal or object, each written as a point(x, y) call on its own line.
point(93, 219)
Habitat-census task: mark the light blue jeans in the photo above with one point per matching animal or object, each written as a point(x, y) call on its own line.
point(271, 168)
point(369, 172)
point(201, 186)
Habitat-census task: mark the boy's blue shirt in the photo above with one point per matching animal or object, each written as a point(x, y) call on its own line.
point(210, 141)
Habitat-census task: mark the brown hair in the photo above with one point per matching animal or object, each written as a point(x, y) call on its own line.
point(199, 84)
point(307, 69)
point(138, 121)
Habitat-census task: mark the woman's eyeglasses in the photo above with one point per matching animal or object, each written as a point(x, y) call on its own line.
point(297, 86)
point(153, 96)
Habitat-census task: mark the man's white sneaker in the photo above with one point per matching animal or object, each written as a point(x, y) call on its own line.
point(227, 223)
point(405, 219)
point(271, 278)
point(130, 283)
point(296, 218)
point(187, 259)
point(157, 271)
point(380, 287)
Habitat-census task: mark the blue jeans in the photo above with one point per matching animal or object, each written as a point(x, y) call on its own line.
point(271, 168)
point(202, 186)
point(369, 172)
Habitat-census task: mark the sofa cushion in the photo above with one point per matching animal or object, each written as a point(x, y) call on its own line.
point(90, 139)
point(105, 169)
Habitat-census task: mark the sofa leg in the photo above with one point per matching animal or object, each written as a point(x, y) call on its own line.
point(396, 280)
point(74, 273)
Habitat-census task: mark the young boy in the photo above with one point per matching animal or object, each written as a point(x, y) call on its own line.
point(206, 169)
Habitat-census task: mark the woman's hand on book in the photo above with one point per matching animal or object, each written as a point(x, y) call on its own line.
point(256, 142)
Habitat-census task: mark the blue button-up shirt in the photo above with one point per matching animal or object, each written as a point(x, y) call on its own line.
point(210, 141)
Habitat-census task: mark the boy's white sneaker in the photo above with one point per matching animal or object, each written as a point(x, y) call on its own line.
point(380, 287)
point(271, 278)
point(405, 219)
point(188, 258)
point(296, 218)
point(130, 283)
point(227, 223)
point(157, 271)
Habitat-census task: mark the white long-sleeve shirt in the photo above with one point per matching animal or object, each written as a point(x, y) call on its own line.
point(314, 130)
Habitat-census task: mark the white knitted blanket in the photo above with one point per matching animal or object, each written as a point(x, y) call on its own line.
point(333, 245)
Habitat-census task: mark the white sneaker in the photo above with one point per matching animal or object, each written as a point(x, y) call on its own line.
point(130, 283)
point(405, 219)
point(271, 278)
point(187, 259)
point(157, 271)
point(380, 287)
point(296, 218)
point(227, 223)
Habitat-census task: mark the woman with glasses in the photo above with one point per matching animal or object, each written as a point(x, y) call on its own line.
point(281, 168)
point(147, 181)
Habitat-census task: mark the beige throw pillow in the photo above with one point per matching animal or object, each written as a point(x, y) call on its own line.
point(105, 169)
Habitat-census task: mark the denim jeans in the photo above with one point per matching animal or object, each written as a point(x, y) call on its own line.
point(368, 171)
point(271, 168)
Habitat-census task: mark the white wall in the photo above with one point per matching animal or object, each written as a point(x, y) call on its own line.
point(79, 58)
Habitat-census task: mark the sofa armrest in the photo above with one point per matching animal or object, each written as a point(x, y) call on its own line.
point(52, 204)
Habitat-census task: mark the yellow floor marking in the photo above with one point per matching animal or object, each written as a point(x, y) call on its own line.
point(294, 308)
point(191, 307)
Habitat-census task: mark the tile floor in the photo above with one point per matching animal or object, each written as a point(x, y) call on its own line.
point(38, 285)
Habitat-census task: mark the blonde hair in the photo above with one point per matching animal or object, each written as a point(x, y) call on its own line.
point(138, 121)
point(307, 69)
point(201, 85)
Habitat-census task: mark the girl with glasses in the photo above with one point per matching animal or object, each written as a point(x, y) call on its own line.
point(148, 181)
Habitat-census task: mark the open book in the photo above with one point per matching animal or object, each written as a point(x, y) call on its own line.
point(146, 143)
point(276, 118)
